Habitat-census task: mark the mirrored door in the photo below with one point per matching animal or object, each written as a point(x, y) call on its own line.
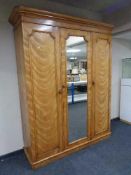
point(76, 58)
point(76, 82)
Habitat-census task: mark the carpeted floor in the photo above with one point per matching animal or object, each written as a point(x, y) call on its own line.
point(109, 157)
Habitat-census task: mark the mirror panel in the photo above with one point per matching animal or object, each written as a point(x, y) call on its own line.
point(76, 54)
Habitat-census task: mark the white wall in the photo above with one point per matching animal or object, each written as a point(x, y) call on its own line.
point(120, 49)
point(10, 121)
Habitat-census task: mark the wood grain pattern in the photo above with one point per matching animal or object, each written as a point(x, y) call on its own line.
point(102, 82)
point(23, 90)
point(41, 58)
point(41, 17)
point(43, 68)
point(21, 12)
point(70, 150)
point(43, 82)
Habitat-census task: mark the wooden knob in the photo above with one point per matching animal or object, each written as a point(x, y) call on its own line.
point(60, 91)
point(63, 86)
point(93, 83)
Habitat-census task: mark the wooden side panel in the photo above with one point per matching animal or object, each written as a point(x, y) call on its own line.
point(22, 86)
point(101, 82)
point(43, 70)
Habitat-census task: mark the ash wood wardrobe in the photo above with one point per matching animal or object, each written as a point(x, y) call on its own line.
point(64, 70)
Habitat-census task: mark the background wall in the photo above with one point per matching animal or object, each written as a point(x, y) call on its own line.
point(10, 121)
point(120, 49)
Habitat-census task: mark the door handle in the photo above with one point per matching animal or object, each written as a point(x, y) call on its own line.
point(63, 86)
point(93, 83)
point(61, 89)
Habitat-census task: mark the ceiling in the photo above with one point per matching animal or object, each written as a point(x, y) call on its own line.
point(50, 5)
point(102, 6)
point(116, 12)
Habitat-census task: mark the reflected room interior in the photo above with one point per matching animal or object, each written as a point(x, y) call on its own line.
point(76, 50)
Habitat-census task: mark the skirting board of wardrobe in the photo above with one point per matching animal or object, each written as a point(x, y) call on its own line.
point(50, 159)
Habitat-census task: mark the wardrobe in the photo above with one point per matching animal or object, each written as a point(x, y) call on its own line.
point(64, 74)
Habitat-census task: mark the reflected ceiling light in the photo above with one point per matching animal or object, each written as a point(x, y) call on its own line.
point(46, 27)
point(73, 50)
point(73, 58)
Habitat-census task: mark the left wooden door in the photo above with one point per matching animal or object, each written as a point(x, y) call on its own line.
point(42, 64)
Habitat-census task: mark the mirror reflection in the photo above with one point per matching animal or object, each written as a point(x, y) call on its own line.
point(76, 50)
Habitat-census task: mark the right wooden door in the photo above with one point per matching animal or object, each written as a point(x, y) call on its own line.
point(101, 77)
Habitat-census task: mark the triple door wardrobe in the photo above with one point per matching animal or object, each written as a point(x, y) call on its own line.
point(64, 73)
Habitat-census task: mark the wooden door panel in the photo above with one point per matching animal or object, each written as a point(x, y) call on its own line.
point(43, 65)
point(102, 82)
